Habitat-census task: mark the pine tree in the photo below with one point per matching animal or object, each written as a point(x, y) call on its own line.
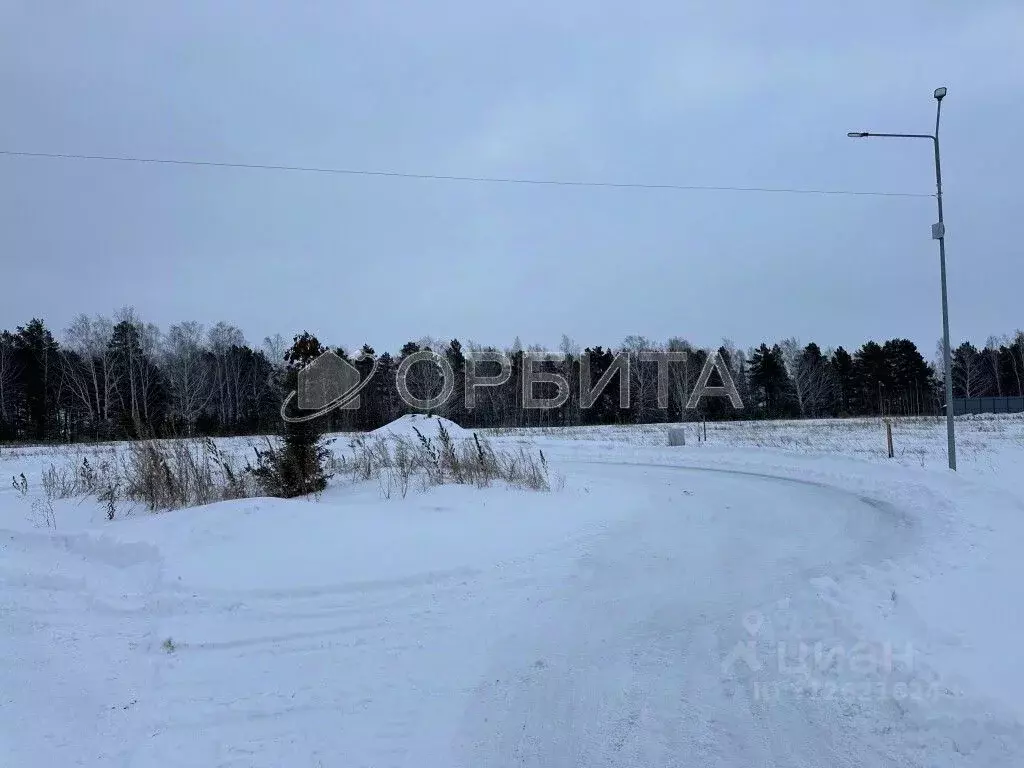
point(10, 379)
point(719, 408)
point(871, 378)
point(366, 417)
point(605, 408)
point(769, 380)
point(841, 364)
point(297, 468)
point(382, 399)
point(908, 375)
point(455, 407)
point(35, 354)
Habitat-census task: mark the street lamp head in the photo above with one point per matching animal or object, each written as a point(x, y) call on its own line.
point(858, 134)
point(940, 93)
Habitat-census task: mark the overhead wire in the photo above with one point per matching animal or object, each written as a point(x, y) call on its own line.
point(457, 178)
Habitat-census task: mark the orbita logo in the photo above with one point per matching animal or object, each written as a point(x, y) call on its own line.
point(328, 383)
point(427, 381)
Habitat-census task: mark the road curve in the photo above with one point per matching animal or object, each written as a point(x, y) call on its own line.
point(676, 642)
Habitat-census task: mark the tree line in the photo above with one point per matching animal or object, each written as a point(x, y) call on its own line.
point(121, 377)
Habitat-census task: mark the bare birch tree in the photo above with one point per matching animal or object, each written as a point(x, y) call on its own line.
point(274, 348)
point(682, 378)
point(991, 360)
point(228, 385)
point(151, 347)
point(135, 345)
point(90, 373)
point(570, 352)
point(811, 381)
point(643, 376)
point(1017, 360)
point(968, 372)
point(189, 379)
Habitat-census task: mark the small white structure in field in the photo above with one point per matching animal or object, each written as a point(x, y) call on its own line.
point(676, 436)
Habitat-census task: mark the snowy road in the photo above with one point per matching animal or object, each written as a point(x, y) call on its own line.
point(647, 616)
point(640, 658)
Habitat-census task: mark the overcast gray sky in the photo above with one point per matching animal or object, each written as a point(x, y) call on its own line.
point(712, 93)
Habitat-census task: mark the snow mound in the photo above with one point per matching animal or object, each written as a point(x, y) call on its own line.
point(428, 426)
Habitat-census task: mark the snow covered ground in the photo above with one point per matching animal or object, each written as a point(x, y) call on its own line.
point(986, 444)
point(781, 595)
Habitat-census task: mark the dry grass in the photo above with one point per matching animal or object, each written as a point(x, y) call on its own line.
point(398, 463)
point(172, 474)
point(160, 474)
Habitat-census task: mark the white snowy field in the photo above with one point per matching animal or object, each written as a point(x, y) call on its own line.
point(987, 444)
point(780, 595)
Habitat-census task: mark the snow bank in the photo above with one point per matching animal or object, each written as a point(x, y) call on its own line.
point(428, 426)
point(352, 536)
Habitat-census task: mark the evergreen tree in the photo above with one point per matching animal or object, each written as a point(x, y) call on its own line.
point(719, 408)
point(770, 382)
point(297, 468)
point(455, 408)
point(1011, 375)
point(908, 378)
point(138, 386)
point(841, 365)
point(605, 409)
point(819, 378)
point(418, 379)
point(10, 378)
point(35, 354)
point(742, 381)
point(382, 399)
point(871, 376)
point(367, 416)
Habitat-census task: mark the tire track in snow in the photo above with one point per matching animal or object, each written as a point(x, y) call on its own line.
point(633, 651)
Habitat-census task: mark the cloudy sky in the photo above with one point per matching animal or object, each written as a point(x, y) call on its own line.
point(725, 93)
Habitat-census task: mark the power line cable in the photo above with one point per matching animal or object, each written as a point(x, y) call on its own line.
point(471, 179)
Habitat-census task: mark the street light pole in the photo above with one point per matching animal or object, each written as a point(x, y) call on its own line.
point(938, 233)
point(941, 232)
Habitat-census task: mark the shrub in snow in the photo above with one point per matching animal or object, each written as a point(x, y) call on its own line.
point(299, 466)
point(296, 468)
